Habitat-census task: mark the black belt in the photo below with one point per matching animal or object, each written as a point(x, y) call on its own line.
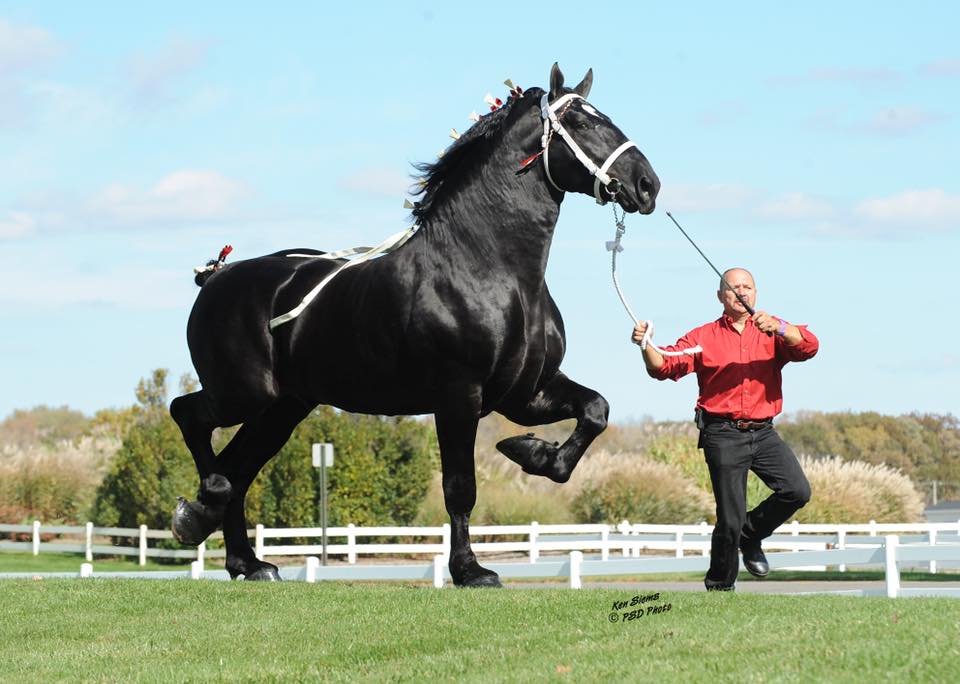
point(741, 424)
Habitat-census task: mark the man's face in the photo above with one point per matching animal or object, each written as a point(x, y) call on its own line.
point(742, 282)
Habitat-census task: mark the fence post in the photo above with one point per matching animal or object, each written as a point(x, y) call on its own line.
point(201, 550)
point(624, 529)
point(933, 542)
point(143, 545)
point(196, 569)
point(891, 542)
point(258, 543)
point(86, 570)
point(534, 533)
point(873, 528)
point(310, 572)
point(88, 553)
point(796, 532)
point(351, 544)
point(605, 543)
point(446, 539)
point(703, 531)
point(576, 559)
point(678, 537)
point(439, 565)
point(36, 537)
point(842, 544)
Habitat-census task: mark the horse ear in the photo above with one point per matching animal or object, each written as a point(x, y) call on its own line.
point(556, 81)
point(583, 88)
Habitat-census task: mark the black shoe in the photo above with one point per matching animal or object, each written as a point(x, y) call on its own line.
point(716, 586)
point(754, 560)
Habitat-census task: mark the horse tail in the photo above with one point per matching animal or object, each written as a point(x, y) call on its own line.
point(211, 267)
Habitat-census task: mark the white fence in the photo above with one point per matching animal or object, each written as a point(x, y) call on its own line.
point(626, 540)
point(887, 551)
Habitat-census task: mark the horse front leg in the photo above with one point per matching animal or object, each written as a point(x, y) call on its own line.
point(559, 399)
point(457, 433)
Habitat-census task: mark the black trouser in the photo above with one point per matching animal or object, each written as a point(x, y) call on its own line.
point(730, 453)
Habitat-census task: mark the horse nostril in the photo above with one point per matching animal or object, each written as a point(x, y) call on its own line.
point(646, 184)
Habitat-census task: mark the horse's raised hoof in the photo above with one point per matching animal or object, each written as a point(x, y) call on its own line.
point(534, 455)
point(193, 522)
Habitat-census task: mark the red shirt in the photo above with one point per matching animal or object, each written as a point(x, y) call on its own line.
point(738, 374)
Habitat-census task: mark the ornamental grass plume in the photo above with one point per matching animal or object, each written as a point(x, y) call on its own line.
point(857, 492)
point(628, 486)
point(52, 483)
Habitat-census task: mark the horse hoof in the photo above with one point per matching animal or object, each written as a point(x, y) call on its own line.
point(491, 581)
point(534, 455)
point(193, 522)
point(265, 573)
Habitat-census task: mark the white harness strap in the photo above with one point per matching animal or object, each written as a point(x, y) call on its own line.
point(548, 112)
point(390, 244)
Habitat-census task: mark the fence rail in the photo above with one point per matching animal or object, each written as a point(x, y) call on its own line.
point(626, 539)
point(888, 551)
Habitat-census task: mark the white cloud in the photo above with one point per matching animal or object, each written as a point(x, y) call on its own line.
point(931, 208)
point(708, 197)
point(899, 121)
point(795, 206)
point(123, 285)
point(188, 195)
point(855, 75)
point(892, 121)
point(154, 77)
point(16, 224)
point(944, 67)
point(24, 47)
point(722, 113)
point(382, 181)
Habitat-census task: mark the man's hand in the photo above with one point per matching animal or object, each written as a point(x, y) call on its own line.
point(639, 330)
point(767, 323)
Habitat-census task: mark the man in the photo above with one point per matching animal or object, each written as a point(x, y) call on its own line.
point(740, 392)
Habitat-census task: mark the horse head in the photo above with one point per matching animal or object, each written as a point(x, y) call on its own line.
point(584, 151)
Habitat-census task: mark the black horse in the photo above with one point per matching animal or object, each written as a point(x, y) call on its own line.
point(457, 322)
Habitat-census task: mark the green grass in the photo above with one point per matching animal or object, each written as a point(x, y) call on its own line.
point(137, 630)
point(70, 562)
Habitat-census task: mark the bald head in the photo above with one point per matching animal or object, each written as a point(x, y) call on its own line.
point(741, 282)
point(732, 274)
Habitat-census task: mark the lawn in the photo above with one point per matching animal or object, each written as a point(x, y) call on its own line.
point(139, 630)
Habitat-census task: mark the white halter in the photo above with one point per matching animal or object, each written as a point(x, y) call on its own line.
point(550, 121)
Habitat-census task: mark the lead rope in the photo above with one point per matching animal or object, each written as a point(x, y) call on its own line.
point(614, 246)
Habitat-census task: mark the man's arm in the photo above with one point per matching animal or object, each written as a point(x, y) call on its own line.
point(800, 342)
point(659, 366)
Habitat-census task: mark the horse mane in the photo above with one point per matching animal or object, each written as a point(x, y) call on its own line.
point(440, 179)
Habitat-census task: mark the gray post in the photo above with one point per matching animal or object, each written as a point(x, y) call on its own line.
point(323, 457)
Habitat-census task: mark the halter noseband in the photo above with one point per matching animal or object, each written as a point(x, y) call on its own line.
point(551, 125)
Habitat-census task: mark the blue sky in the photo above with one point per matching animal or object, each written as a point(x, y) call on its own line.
point(816, 145)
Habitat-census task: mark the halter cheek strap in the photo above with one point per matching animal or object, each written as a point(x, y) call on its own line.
point(551, 124)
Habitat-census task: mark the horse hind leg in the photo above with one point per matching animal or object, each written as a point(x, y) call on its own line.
point(257, 441)
point(561, 398)
point(194, 521)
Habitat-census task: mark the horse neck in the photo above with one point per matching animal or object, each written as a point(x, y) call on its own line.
point(500, 222)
